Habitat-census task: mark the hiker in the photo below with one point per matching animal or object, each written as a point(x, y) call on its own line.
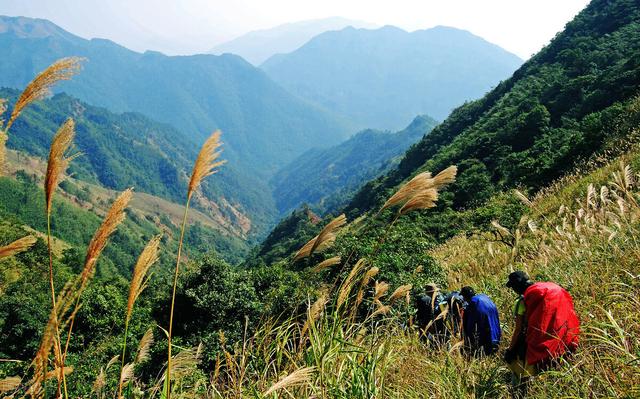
point(427, 305)
point(438, 313)
point(480, 323)
point(547, 326)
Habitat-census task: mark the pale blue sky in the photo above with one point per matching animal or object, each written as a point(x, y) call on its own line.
point(189, 26)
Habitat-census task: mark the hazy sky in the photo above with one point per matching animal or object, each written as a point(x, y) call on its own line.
point(188, 26)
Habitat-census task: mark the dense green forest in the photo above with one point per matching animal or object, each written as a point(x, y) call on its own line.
point(128, 150)
point(384, 77)
point(557, 108)
point(327, 178)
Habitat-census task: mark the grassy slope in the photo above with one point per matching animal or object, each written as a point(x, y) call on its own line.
point(590, 247)
point(82, 201)
point(126, 150)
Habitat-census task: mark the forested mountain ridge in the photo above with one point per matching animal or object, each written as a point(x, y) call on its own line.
point(336, 319)
point(533, 127)
point(326, 178)
point(576, 98)
point(384, 77)
point(121, 151)
point(263, 126)
point(196, 94)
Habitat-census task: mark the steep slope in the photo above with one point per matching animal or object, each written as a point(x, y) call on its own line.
point(125, 150)
point(576, 99)
point(326, 178)
point(570, 100)
point(384, 77)
point(257, 46)
point(79, 207)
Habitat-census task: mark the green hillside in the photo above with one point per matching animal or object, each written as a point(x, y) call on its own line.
point(327, 178)
point(557, 109)
point(131, 150)
point(576, 98)
point(384, 77)
point(263, 126)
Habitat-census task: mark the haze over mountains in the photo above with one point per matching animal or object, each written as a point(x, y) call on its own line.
point(384, 77)
point(257, 46)
point(326, 178)
point(265, 127)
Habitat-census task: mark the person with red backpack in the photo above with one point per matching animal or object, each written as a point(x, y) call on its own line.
point(547, 326)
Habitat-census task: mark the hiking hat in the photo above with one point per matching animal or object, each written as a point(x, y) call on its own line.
point(467, 292)
point(518, 279)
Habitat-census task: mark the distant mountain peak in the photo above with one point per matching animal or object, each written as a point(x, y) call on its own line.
point(382, 77)
point(257, 46)
point(24, 27)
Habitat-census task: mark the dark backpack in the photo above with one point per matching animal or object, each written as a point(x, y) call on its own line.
point(455, 304)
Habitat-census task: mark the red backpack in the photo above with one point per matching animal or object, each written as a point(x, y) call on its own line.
point(552, 323)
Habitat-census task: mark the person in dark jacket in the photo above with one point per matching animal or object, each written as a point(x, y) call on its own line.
point(427, 305)
point(480, 323)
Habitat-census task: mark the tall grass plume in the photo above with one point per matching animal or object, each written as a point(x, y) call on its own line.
point(205, 165)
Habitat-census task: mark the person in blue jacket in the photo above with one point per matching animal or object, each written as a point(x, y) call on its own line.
point(480, 323)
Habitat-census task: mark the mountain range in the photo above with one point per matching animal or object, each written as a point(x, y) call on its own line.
point(259, 45)
point(265, 127)
point(573, 102)
point(384, 77)
point(325, 178)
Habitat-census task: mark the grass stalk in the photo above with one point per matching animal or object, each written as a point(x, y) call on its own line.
point(124, 351)
point(173, 295)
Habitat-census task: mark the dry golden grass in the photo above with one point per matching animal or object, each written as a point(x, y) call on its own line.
point(3, 151)
point(329, 230)
point(424, 200)
point(421, 192)
point(348, 283)
point(112, 220)
point(381, 310)
point(126, 374)
point(19, 245)
point(37, 89)
point(206, 163)
point(323, 240)
point(400, 292)
point(40, 86)
point(446, 176)
point(314, 312)
point(326, 263)
point(147, 258)
point(10, 384)
point(144, 347)
point(204, 166)
point(380, 289)
point(298, 377)
point(65, 300)
point(420, 182)
point(185, 362)
point(58, 160)
point(372, 272)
